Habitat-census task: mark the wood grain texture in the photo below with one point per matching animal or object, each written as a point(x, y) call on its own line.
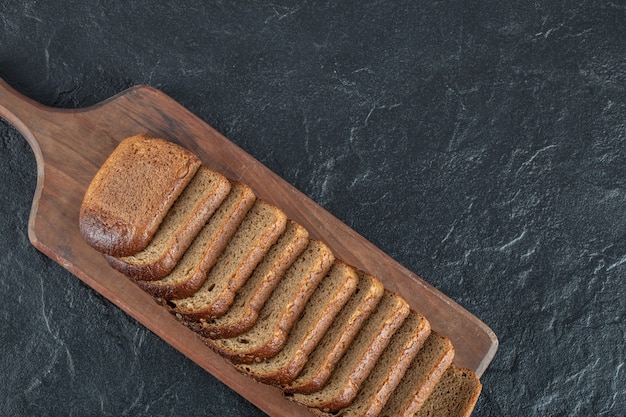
point(70, 146)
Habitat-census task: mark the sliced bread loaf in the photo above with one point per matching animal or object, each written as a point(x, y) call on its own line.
point(131, 193)
point(183, 221)
point(329, 297)
point(360, 358)
point(261, 227)
point(337, 339)
point(455, 395)
point(252, 296)
point(190, 272)
point(265, 339)
point(333, 339)
point(389, 369)
point(420, 378)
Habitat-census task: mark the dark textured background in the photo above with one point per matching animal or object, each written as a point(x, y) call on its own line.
point(481, 144)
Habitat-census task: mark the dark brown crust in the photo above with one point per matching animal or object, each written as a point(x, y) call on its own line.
point(165, 292)
point(365, 364)
point(288, 373)
point(319, 379)
point(120, 231)
point(353, 384)
point(225, 300)
point(394, 374)
point(288, 319)
point(179, 243)
point(259, 297)
point(422, 386)
point(434, 375)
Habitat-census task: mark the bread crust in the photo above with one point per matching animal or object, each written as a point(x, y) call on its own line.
point(224, 284)
point(316, 381)
point(350, 390)
point(423, 386)
point(363, 364)
point(158, 267)
point(285, 374)
point(416, 330)
point(286, 320)
point(117, 223)
point(395, 376)
point(234, 323)
point(164, 290)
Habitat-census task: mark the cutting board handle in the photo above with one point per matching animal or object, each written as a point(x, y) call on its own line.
point(23, 113)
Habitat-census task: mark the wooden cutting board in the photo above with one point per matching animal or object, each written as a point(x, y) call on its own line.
point(70, 146)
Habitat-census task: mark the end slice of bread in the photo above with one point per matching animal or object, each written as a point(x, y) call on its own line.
point(131, 193)
point(186, 217)
point(389, 369)
point(262, 225)
point(191, 271)
point(343, 330)
point(251, 298)
point(284, 307)
point(425, 370)
point(455, 395)
point(360, 358)
point(329, 297)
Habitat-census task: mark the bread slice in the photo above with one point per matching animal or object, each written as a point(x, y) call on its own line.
point(252, 296)
point(329, 297)
point(322, 360)
point(389, 369)
point(190, 212)
point(360, 358)
point(420, 378)
point(265, 339)
point(261, 227)
point(191, 271)
point(131, 193)
point(455, 395)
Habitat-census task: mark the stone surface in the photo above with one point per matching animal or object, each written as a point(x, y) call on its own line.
point(481, 144)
